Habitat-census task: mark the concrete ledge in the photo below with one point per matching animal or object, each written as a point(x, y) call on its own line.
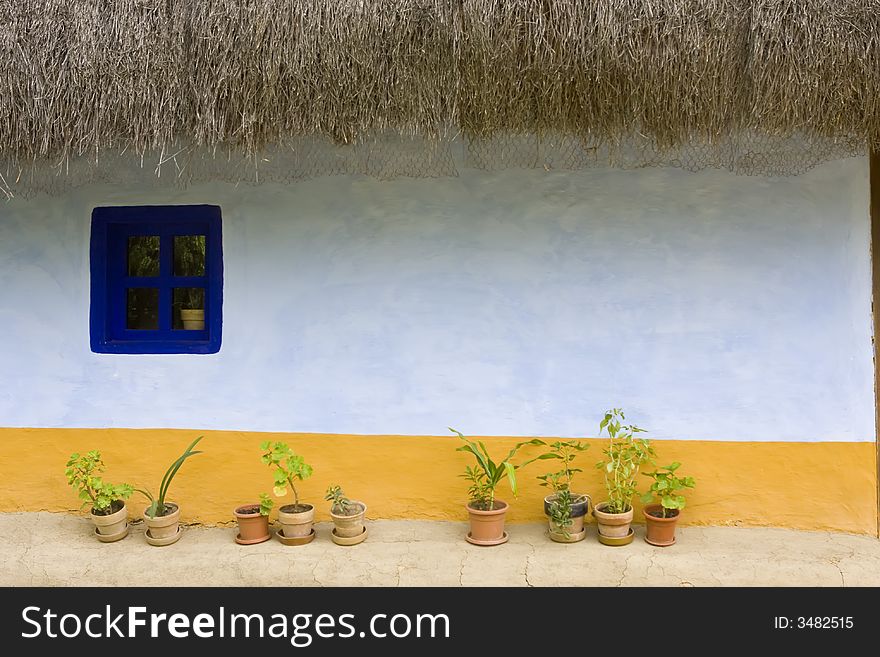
point(49, 549)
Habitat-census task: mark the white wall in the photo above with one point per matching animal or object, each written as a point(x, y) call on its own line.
point(709, 306)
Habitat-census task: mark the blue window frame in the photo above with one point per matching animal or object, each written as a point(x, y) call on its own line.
point(156, 280)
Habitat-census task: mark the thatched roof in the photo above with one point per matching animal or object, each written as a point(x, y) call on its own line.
point(95, 77)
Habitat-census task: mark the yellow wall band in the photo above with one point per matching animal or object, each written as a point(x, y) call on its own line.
point(820, 486)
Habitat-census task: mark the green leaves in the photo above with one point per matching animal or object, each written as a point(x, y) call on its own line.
point(624, 456)
point(82, 473)
point(106, 494)
point(339, 503)
point(485, 476)
point(289, 466)
point(157, 504)
point(266, 504)
point(511, 476)
point(665, 486)
point(565, 451)
point(560, 511)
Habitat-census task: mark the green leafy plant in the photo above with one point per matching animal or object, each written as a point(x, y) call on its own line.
point(485, 476)
point(289, 468)
point(665, 487)
point(624, 456)
point(266, 504)
point(560, 481)
point(157, 506)
point(83, 474)
point(339, 503)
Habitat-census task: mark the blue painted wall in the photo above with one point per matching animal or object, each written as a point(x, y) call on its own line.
point(710, 306)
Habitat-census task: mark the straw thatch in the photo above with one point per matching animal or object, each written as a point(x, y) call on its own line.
point(92, 78)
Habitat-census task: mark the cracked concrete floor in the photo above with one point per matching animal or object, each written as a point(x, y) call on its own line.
point(49, 549)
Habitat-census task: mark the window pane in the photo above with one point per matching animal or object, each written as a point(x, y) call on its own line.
point(143, 255)
point(189, 309)
point(142, 308)
point(189, 255)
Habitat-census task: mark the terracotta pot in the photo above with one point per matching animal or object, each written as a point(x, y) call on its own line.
point(165, 526)
point(252, 526)
point(660, 531)
point(487, 527)
point(296, 522)
point(350, 526)
point(579, 508)
point(193, 320)
point(613, 525)
point(111, 525)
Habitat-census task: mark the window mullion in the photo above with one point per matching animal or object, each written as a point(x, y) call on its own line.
point(166, 282)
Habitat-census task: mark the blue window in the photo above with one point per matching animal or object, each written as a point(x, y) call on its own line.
point(157, 280)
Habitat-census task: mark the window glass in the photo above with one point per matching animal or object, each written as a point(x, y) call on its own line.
point(143, 255)
point(189, 309)
point(189, 255)
point(142, 308)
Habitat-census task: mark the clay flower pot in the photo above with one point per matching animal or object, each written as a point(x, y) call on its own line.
point(193, 320)
point(113, 526)
point(575, 532)
point(487, 527)
point(252, 526)
point(660, 531)
point(296, 521)
point(613, 525)
point(163, 530)
point(352, 524)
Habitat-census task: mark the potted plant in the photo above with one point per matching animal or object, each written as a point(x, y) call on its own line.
point(296, 519)
point(253, 521)
point(189, 256)
point(161, 517)
point(348, 518)
point(624, 456)
point(660, 519)
point(486, 513)
point(192, 309)
point(193, 319)
point(564, 508)
point(107, 501)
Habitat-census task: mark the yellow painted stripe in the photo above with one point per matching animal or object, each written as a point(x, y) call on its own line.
point(799, 485)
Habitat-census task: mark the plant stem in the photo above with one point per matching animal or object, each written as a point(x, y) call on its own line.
point(295, 494)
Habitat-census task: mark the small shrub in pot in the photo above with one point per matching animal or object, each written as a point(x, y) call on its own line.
point(162, 517)
point(662, 518)
point(486, 513)
point(253, 521)
point(348, 517)
point(624, 456)
point(105, 500)
point(564, 508)
point(297, 519)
